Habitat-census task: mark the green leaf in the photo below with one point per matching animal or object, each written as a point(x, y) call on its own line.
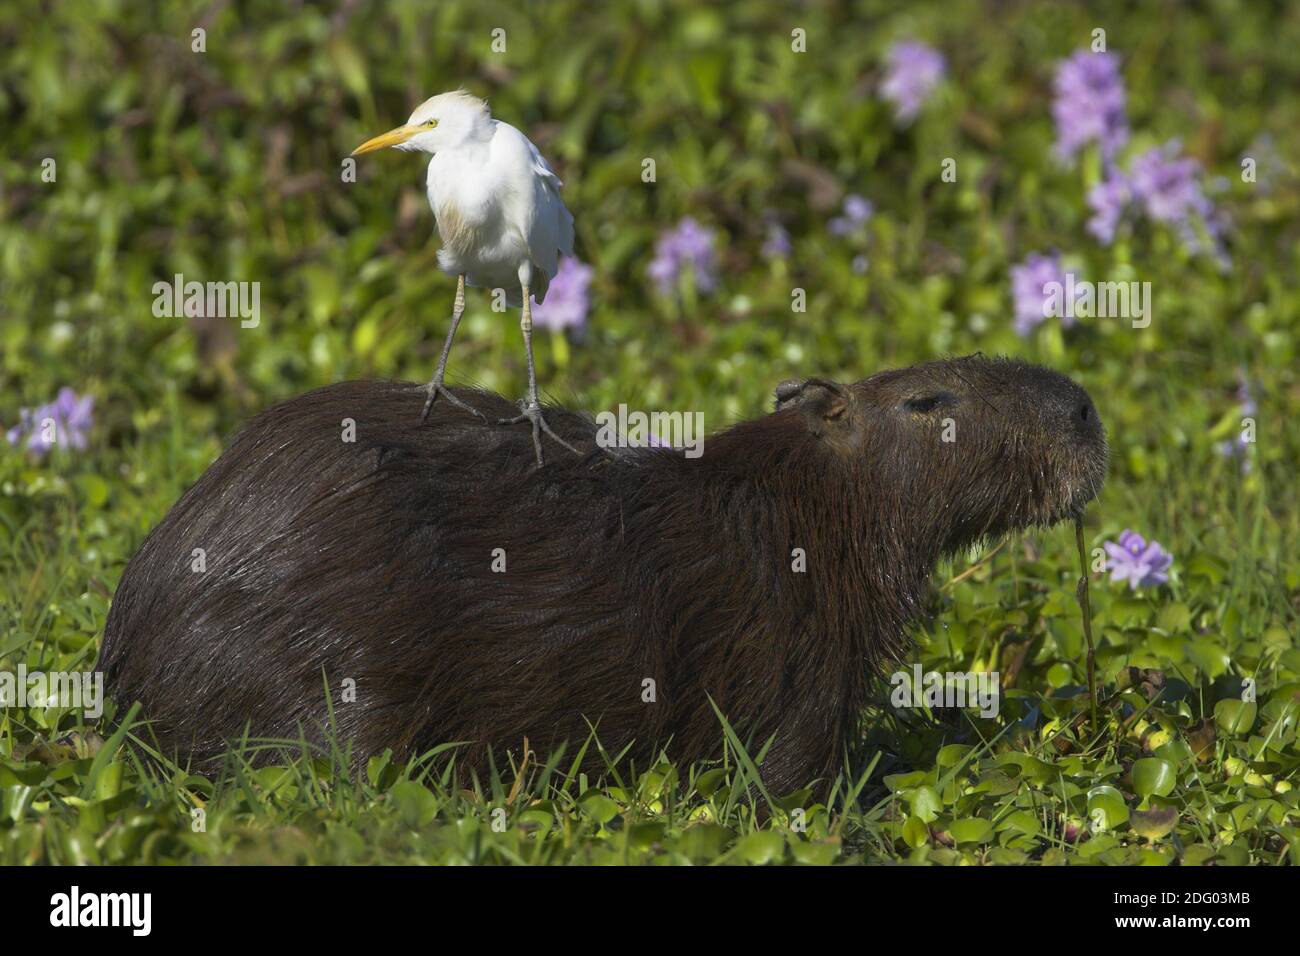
point(814, 854)
point(952, 755)
point(915, 832)
point(600, 808)
point(761, 848)
point(109, 780)
point(1129, 611)
point(1059, 674)
point(971, 830)
point(1205, 565)
point(1209, 657)
point(1174, 618)
point(1154, 777)
point(647, 833)
point(93, 488)
point(28, 775)
point(708, 782)
point(926, 803)
point(1022, 821)
point(1235, 718)
point(415, 804)
point(1106, 808)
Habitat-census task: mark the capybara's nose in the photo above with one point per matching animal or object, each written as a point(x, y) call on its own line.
point(1086, 420)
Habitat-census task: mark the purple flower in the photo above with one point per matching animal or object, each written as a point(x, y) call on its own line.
point(1029, 295)
point(854, 214)
point(72, 418)
point(777, 244)
point(1134, 560)
point(689, 245)
point(567, 300)
point(1168, 186)
point(1108, 200)
point(1088, 105)
point(856, 209)
point(912, 71)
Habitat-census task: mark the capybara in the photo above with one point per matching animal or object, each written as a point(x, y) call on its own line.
point(446, 589)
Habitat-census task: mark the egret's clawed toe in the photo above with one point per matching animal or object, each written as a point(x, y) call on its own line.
point(532, 412)
point(436, 388)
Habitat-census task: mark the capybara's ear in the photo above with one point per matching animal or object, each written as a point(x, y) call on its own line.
point(823, 403)
point(788, 390)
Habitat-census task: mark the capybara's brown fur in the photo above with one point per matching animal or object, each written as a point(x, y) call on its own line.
point(775, 574)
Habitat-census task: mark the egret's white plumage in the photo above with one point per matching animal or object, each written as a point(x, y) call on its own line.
point(500, 217)
point(495, 198)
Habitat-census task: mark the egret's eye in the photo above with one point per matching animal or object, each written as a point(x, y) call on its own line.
point(430, 123)
point(928, 403)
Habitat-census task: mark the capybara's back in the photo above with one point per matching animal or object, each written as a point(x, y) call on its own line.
point(317, 552)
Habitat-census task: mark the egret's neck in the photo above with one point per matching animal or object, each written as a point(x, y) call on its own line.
point(469, 143)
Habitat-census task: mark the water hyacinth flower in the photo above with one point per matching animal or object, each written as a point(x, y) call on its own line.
point(1165, 187)
point(1088, 105)
point(689, 245)
point(1135, 560)
point(854, 214)
point(1168, 186)
point(1108, 201)
point(1029, 295)
point(777, 245)
point(912, 71)
point(72, 418)
point(567, 299)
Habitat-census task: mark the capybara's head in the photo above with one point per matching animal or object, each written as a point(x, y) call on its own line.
point(965, 448)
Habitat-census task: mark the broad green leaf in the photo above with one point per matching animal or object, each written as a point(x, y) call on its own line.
point(1154, 777)
point(1235, 717)
point(1106, 808)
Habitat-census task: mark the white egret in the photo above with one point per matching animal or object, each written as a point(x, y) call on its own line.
point(500, 217)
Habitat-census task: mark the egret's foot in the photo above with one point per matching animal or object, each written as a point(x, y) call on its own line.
point(532, 412)
point(436, 388)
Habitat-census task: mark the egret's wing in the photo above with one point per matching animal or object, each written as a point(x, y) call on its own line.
point(552, 231)
point(541, 168)
point(547, 224)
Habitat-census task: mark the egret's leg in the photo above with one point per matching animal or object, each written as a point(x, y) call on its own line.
point(530, 407)
point(435, 386)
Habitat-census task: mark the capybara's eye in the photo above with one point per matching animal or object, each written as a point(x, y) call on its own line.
point(928, 403)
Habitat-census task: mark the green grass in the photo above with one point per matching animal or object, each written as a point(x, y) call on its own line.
point(225, 165)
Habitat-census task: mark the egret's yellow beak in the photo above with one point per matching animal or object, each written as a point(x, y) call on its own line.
point(392, 138)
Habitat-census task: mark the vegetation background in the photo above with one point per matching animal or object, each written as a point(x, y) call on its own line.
point(226, 165)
